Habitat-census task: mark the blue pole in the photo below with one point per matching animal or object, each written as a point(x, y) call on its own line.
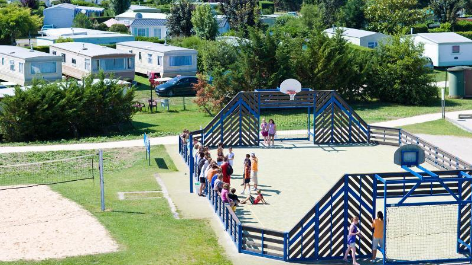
point(314, 117)
point(346, 216)
point(191, 163)
point(384, 256)
point(285, 246)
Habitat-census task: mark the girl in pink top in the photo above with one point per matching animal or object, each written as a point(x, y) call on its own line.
point(224, 195)
point(272, 130)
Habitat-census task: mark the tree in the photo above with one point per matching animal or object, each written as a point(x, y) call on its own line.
point(400, 73)
point(204, 23)
point(311, 17)
point(352, 14)
point(328, 10)
point(33, 4)
point(447, 10)
point(120, 6)
point(206, 97)
point(82, 21)
point(392, 16)
point(288, 5)
point(16, 22)
point(120, 28)
point(179, 22)
point(241, 14)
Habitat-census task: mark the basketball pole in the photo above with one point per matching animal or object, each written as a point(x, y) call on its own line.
point(102, 183)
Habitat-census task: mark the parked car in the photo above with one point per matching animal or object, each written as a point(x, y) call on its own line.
point(178, 86)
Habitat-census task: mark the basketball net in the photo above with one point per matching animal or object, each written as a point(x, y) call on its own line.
point(292, 94)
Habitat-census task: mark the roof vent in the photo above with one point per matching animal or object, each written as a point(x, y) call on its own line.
point(83, 47)
point(31, 48)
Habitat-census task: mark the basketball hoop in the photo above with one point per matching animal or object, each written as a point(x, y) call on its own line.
point(290, 87)
point(292, 94)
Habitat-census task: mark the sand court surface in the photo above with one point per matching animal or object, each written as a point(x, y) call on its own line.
point(295, 175)
point(37, 223)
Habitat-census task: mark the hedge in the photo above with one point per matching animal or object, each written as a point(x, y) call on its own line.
point(41, 48)
point(420, 28)
point(150, 39)
point(267, 7)
point(467, 34)
point(463, 25)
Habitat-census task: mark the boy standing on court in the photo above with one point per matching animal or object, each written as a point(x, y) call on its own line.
point(247, 174)
point(254, 169)
point(230, 156)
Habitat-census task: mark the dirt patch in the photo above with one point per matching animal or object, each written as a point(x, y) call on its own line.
point(37, 223)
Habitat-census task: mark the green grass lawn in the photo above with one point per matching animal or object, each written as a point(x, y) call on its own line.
point(438, 127)
point(145, 229)
point(439, 75)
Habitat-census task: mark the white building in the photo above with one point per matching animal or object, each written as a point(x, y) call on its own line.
point(166, 60)
point(129, 16)
point(21, 66)
point(50, 36)
point(369, 39)
point(446, 48)
point(82, 59)
point(149, 27)
point(62, 15)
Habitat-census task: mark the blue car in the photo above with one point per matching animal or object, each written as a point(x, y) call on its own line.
point(178, 86)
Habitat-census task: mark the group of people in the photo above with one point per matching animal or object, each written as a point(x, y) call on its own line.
point(354, 232)
point(268, 131)
point(216, 174)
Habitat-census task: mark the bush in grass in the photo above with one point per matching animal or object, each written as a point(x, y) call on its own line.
point(420, 28)
point(463, 25)
point(51, 111)
point(62, 40)
point(41, 48)
point(120, 28)
point(444, 27)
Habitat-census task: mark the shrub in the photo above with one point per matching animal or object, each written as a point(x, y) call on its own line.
point(150, 39)
point(41, 48)
point(120, 28)
point(62, 39)
point(444, 27)
point(467, 34)
point(101, 19)
point(268, 6)
point(463, 25)
point(50, 111)
point(83, 3)
point(420, 28)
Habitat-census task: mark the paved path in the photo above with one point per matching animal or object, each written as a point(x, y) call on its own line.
point(458, 146)
point(420, 119)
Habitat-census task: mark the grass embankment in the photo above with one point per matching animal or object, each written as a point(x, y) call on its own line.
point(144, 228)
point(438, 127)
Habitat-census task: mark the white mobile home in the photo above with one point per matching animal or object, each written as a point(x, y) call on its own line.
point(446, 48)
point(21, 66)
point(82, 35)
point(149, 27)
point(62, 15)
point(167, 60)
point(82, 59)
point(369, 39)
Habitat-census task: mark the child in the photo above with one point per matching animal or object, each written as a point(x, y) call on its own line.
point(254, 169)
point(377, 225)
point(225, 196)
point(235, 198)
point(230, 156)
point(247, 174)
point(219, 152)
point(258, 199)
point(265, 131)
point(351, 240)
point(218, 185)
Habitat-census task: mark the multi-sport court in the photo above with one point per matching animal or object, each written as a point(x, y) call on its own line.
point(316, 179)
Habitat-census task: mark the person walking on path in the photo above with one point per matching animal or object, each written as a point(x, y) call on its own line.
point(247, 174)
point(351, 240)
point(265, 131)
point(378, 226)
point(230, 156)
point(254, 169)
point(272, 130)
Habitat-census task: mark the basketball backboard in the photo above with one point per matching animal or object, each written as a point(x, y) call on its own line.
point(409, 155)
point(290, 87)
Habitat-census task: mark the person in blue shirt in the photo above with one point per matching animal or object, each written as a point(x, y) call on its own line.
point(351, 240)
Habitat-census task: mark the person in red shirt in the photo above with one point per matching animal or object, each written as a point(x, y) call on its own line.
point(224, 170)
point(257, 200)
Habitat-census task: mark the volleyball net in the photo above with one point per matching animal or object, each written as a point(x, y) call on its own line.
point(22, 175)
point(422, 233)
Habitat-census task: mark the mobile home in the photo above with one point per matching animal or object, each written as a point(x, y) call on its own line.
point(167, 60)
point(82, 59)
point(21, 66)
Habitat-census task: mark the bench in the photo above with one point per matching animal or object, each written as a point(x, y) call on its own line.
point(138, 106)
point(465, 116)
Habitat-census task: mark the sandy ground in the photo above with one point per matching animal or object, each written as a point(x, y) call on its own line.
point(37, 223)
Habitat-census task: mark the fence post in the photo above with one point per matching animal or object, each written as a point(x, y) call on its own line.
point(400, 137)
point(285, 246)
point(191, 165)
point(368, 133)
point(240, 237)
point(102, 182)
